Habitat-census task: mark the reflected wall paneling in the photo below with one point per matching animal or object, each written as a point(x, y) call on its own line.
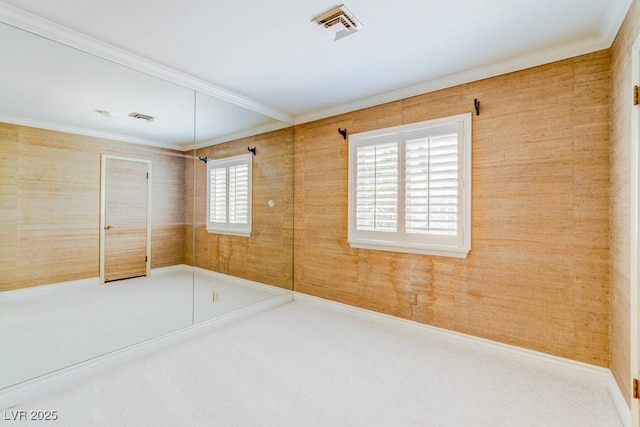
point(168, 221)
point(51, 186)
point(9, 163)
point(58, 214)
point(267, 255)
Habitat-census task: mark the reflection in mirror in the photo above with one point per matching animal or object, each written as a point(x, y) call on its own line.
point(234, 268)
point(77, 208)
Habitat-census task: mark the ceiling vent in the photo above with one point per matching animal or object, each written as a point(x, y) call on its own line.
point(104, 113)
point(141, 116)
point(340, 22)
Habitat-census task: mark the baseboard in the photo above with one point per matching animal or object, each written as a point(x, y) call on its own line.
point(567, 368)
point(62, 378)
point(178, 268)
point(619, 400)
point(42, 290)
point(239, 281)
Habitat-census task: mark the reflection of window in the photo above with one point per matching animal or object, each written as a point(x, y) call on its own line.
point(229, 195)
point(410, 188)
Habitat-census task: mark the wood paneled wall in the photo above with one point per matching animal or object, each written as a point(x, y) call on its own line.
point(620, 198)
point(50, 205)
point(537, 275)
point(8, 205)
point(266, 256)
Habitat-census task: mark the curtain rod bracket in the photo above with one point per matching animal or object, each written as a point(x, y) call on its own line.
point(343, 132)
point(253, 150)
point(476, 105)
point(204, 159)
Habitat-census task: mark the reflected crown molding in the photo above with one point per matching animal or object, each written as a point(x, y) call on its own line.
point(21, 121)
point(237, 135)
point(58, 33)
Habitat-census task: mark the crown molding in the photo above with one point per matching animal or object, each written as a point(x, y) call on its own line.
point(180, 146)
point(58, 33)
point(496, 69)
point(237, 135)
point(21, 121)
point(612, 22)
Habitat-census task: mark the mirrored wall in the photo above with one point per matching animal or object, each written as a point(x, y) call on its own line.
point(237, 263)
point(103, 208)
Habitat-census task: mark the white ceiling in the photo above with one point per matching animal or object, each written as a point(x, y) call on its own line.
point(269, 56)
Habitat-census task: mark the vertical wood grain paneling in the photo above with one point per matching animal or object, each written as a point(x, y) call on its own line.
point(9, 163)
point(266, 256)
point(50, 193)
point(188, 217)
point(168, 209)
point(591, 165)
point(537, 274)
point(58, 208)
point(620, 197)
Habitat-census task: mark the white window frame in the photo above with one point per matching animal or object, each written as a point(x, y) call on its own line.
point(226, 227)
point(457, 246)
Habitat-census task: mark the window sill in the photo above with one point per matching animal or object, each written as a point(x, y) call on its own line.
point(435, 251)
point(237, 233)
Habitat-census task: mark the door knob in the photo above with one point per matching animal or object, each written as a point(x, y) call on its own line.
point(108, 227)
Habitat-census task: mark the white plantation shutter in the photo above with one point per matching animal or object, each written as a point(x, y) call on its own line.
point(410, 188)
point(229, 195)
point(432, 184)
point(239, 194)
point(377, 187)
point(218, 195)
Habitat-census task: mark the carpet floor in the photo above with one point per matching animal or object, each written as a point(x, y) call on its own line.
point(48, 329)
point(301, 365)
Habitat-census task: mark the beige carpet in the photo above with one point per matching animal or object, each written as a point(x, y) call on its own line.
point(299, 365)
point(44, 330)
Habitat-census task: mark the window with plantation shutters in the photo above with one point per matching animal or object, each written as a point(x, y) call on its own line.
point(229, 195)
point(410, 188)
point(377, 187)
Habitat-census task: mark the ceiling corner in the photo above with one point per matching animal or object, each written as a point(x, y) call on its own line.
point(616, 13)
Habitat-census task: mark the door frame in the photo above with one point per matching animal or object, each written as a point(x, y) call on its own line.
point(103, 199)
point(634, 278)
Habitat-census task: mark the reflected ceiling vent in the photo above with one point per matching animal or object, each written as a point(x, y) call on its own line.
point(104, 113)
point(141, 116)
point(340, 22)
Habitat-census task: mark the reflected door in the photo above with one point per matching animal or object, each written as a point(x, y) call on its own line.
point(125, 251)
